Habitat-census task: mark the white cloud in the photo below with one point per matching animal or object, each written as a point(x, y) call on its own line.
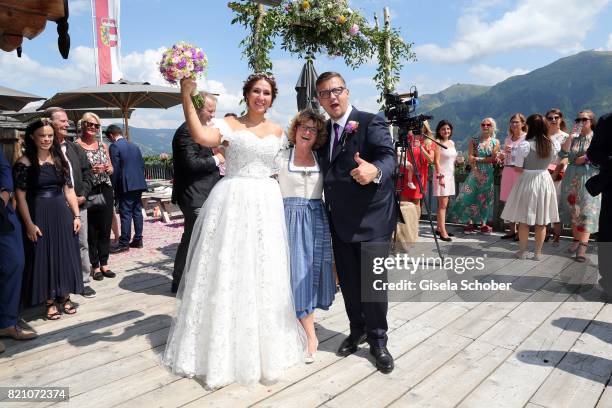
point(78, 7)
point(609, 45)
point(25, 72)
point(529, 24)
point(488, 75)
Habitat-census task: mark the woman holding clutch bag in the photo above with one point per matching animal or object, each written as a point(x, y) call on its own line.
point(99, 219)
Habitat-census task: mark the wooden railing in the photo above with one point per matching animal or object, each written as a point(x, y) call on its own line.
point(158, 171)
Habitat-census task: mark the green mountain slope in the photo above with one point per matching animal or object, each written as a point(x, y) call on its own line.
point(581, 81)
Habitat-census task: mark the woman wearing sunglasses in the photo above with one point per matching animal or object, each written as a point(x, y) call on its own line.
point(100, 217)
point(557, 131)
point(577, 207)
point(474, 205)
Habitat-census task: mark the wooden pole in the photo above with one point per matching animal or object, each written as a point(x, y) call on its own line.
point(387, 44)
point(261, 13)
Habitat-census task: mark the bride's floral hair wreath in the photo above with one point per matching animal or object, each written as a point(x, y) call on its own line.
point(253, 78)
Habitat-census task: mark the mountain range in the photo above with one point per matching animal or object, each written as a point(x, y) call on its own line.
point(580, 81)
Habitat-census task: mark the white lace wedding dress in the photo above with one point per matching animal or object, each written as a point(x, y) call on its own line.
point(235, 320)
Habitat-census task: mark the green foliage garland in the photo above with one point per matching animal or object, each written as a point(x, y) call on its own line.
point(320, 27)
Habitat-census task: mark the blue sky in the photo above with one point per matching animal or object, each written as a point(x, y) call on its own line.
point(465, 41)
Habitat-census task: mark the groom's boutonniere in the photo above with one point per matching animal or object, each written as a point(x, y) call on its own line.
point(350, 128)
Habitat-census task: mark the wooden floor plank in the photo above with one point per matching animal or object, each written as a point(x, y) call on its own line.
point(519, 377)
point(581, 376)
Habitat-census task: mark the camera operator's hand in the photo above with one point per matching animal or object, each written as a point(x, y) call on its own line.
point(365, 172)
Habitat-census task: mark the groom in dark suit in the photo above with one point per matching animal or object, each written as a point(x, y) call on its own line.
point(358, 163)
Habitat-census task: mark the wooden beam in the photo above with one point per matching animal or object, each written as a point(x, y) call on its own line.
point(53, 10)
point(10, 42)
point(23, 23)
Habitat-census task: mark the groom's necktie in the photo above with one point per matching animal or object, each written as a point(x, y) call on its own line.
point(336, 138)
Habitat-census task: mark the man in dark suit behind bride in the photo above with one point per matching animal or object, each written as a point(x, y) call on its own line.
point(195, 173)
point(358, 163)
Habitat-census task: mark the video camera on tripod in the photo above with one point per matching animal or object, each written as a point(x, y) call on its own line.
point(398, 111)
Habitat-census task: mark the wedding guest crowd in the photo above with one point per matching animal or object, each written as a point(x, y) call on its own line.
point(57, 237)
point(65, 192)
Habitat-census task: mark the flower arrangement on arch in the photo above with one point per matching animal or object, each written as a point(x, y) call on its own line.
point(325, 27)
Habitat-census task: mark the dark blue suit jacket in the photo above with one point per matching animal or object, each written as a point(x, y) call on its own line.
point(360, 213)
point(6, 183)
point(128, 167)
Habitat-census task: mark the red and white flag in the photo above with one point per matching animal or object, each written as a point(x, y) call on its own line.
point(107, 40)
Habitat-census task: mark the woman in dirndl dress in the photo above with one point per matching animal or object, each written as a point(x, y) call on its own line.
point(301, 183)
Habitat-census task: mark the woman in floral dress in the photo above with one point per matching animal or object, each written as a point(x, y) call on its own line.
point(576, 206)
point(474, 205)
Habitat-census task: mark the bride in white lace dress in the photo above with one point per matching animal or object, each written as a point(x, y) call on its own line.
point(236, 320)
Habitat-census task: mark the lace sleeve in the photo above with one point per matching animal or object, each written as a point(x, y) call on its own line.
point(20, 176)
point(224, 129)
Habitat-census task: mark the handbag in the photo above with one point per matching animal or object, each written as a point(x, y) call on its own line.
point(551, 170)
point(95, 201)
point(598, 184)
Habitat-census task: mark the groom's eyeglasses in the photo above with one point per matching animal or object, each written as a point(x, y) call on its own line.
point(326, 94)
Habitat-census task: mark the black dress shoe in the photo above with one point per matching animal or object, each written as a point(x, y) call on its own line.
point(119, 248)
point(88, 292)
point(97, 275)
point(109, 274)
point(350, 345)
point(450, 234)
point(384, 360)
point(136, 243)
point(446, 239)
point(509, 235)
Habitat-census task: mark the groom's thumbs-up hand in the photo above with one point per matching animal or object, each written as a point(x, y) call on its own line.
point(365, 172)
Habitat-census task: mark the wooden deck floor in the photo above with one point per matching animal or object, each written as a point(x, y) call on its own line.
point(448, 353)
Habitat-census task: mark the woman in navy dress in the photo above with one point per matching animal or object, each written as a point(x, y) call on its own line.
point(50, 214)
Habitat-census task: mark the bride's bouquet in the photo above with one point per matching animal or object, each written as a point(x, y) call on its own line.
point(184, 60)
